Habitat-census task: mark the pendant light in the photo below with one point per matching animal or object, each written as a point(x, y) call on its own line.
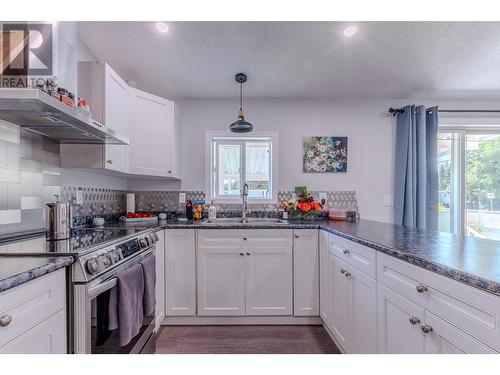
point(240, 125)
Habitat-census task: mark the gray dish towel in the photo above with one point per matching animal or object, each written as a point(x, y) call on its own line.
point(126, 304)
point(148, 267)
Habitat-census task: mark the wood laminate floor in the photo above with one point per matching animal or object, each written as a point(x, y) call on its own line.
point(244, 340)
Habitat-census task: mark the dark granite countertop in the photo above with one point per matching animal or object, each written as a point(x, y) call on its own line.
point(470, 260)
point(18, 270)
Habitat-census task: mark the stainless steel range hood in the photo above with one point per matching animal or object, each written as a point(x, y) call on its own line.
point(40, 113)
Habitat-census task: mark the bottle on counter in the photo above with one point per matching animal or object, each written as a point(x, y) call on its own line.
point(212, 211)
point(189, 210)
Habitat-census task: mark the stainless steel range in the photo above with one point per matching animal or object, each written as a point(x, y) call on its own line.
point(95, 274)
point(101, 255)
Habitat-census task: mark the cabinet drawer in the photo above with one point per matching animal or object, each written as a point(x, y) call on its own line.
point(361, 257)
point(47, 337)
point(470, 309)
point(243, 237)
point(31, 303)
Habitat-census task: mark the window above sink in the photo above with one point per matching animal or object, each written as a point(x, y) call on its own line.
point(236, 160)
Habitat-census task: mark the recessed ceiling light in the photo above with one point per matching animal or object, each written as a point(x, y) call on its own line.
point(350, 30)
point(162, 27)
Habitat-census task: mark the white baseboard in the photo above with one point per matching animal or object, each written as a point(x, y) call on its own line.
point(241, 320)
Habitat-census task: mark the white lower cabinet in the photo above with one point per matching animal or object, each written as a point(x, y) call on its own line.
point(160, 279)
point(37, 316)
point(348, 299)
point(399, 322)
point(445, 338)
point(305, 272)
point(363, 312)
point(268, 281)
point(244, 273)
point(407, 328)
point(339, 322)
point(221, 281)
point(180, 272)
point(324, 282)
point(48, 337)
point(352, 315)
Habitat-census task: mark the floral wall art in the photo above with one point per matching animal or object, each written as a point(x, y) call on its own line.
point(325, 154)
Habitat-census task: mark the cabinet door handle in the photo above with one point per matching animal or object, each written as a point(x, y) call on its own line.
point(426, 328)
point(346, 252)
point(421, 288)
point(242, 254)
point(109, 161)
point(414, 320)
point(342, 271)
point(5, 320)
point(248, 253)
point(347, 274)
point(169, 171)
point(244, 238)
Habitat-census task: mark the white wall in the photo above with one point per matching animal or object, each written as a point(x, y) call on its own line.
point(370, 129)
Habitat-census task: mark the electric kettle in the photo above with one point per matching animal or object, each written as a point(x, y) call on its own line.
point(58, 220)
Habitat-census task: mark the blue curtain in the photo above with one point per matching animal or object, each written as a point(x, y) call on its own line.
point(416, 185)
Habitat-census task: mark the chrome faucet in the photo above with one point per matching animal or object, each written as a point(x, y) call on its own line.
point(244, 198)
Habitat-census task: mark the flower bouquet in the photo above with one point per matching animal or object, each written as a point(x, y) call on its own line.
point(304, 207)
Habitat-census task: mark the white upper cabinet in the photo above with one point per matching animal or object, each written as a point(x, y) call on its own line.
point(107, 95)
point(151, 123)
point(153, 141)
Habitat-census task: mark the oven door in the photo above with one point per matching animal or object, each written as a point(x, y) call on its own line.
point(87, 315)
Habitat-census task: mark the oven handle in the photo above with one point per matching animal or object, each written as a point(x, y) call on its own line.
point(107, 285)
point(112, 282)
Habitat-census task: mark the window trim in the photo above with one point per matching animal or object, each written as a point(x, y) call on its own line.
point(209, 175)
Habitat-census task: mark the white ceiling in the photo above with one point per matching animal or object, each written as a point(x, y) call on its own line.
point(304, 59)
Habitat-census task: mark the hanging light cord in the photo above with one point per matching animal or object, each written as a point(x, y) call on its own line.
point(241, 96)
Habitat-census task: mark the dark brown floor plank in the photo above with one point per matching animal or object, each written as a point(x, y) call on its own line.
point(244, 340)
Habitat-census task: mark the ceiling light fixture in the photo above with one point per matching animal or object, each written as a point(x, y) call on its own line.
point(240, 125)
point(350, 30)
point(162, 27)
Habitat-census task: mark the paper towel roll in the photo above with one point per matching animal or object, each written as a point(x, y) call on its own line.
point(130, 202)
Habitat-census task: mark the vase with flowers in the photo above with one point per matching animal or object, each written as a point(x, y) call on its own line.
point(304, 207)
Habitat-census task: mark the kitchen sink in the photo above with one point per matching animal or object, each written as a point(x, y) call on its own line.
point(247, 221)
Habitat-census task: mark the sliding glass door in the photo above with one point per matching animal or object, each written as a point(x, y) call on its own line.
point(469, 182)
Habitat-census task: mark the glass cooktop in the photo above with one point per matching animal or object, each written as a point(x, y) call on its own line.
point(80, 242)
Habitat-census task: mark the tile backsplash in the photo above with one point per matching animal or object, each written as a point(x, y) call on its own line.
point(169, 201)
point(30, 176)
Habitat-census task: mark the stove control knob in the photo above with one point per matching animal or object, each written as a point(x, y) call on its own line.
point(92, 266)
point(103, 261)
point(152, 238)
point(143, 242)
point(112, 256)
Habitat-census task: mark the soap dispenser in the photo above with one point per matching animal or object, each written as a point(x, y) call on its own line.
point(212, 211)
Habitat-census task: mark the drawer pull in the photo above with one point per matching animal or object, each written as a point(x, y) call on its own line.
point(296, 236)
point(248, 253)
point(414, 320)
point(242, 254)
point(342, 271)
point(346, 252)
point(244, 238)
point(5, 320)
point(421, 288)
point(347, 274)
point(426, 328)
